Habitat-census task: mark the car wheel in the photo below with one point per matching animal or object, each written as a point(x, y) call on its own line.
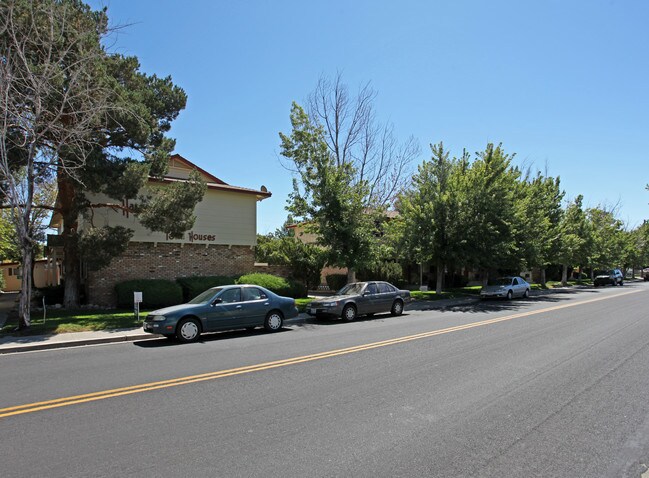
point(349, 313)
point(621, 282)
point(397, 308)
point(188, 330)
point(274, 321)
point(510, 294)
point(526, 294)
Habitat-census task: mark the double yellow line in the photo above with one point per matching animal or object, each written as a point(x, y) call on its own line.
point(147, 387)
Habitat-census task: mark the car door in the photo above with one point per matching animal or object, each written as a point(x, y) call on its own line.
point(226, 311)
point(377, 299)
point(387, 295)
point(256, 305)
point(366, 301)
point(516, 287)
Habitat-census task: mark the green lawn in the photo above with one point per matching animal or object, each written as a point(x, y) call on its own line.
point(62, 321)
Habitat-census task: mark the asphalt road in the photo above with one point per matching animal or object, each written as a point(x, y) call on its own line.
point(553, 386)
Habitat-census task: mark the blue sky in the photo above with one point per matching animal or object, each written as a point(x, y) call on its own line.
point(563, 84)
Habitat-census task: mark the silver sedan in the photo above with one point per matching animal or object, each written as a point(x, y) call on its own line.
point(505, 288)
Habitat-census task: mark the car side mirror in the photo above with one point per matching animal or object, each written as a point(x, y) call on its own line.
point(218, 300)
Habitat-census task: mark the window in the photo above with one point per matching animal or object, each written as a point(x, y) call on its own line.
point(231, 295)
point(252, 293)
point(385, 288)
point(515, 282)
point(371, 289)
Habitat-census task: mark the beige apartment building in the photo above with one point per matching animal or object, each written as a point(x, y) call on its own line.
point(221, 242)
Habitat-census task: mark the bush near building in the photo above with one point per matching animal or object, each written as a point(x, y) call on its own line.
point(192, 286)
point(156, 293)
point(276, 284)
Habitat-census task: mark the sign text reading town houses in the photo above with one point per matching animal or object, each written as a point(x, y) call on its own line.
point(195, 236)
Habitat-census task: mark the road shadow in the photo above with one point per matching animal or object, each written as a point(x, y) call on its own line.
point(207, 337)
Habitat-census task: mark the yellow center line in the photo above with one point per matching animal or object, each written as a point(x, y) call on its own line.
point(146, 387)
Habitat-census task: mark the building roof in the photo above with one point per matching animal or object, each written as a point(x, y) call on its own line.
point(180, 163)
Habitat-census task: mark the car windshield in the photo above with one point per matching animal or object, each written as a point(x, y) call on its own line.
point(500, 281)
point(205, 297)
point(351, 289)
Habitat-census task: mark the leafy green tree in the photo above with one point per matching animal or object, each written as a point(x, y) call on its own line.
point(328, 196)
point(487, 210)
point(304, 260)
point(539, 207)
point(8, 247)
point(575, 238)
point(430, 230)
point(607, 243)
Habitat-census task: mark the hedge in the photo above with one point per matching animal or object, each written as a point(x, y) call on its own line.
point(279, 285)
point(155, 293)
point(192, 286)
point(336, 281)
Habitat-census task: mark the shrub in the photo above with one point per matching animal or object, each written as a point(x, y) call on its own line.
point(53, 294)
point(336, 281)
point(276, 284)
point(2, 281)
point(385, 271)
point(155, 293)
point(192, 286)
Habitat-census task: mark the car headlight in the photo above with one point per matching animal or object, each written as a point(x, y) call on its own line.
point(158, 318)
point(329, 304)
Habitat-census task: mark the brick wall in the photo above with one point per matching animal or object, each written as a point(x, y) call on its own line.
point(146, 260)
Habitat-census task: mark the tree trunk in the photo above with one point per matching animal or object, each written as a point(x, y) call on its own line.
point(543, 279)
point(440, 278)
point(24, 306)
point(351, 275)
point(71, 270)
point(564, 275)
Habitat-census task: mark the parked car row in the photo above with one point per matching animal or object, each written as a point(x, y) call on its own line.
point(249, 306)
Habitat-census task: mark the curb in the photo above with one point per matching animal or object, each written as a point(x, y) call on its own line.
point(75, 343)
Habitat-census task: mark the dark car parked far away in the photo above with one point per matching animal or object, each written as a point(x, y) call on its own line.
point(222, 308)
point(361, 298)
point(613, 277)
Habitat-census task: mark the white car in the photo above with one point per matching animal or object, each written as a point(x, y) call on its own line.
point(505, 288)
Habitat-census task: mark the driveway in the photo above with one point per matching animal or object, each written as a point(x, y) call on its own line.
point(7, 302)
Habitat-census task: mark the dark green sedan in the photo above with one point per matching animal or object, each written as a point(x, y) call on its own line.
point(222, 308)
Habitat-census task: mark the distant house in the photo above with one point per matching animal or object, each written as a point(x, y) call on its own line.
point(220, 243)
point(46, 273)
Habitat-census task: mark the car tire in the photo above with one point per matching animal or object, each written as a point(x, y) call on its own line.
point(188, 330)
point(526, 295)
point(349, 313)
point(621, 283)
point(397, 307)
point(510, 295)
point(274, 321)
